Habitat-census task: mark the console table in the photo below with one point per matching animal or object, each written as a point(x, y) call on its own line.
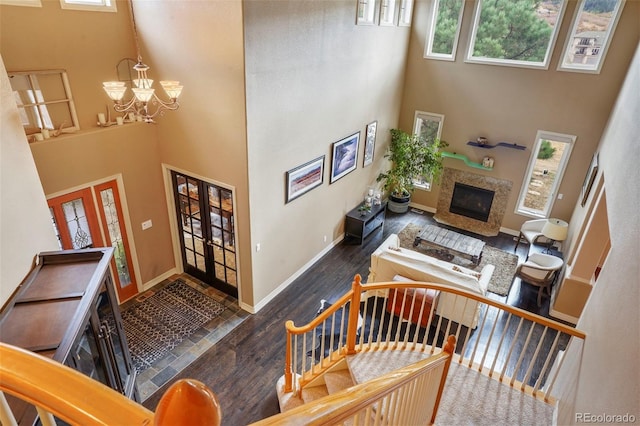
point(358, 225)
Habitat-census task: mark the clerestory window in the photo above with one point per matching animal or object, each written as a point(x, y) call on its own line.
point(549, 158)
point(429, 126)
point(593, 26)
point(90, 5)
point(517, 33)
point(366, 12)
point(445, 17)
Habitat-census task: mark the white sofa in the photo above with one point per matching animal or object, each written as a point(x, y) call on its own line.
point(390, 260)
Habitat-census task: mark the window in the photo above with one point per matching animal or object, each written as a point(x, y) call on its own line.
point(44, 101)
point(549, 159)
point(443, 29)
point(30, 3)
point(587, 42)
point(95, 5)
point(428, 126)
point(405, 13)
point(366, 12)
point(388, 12)
point(515, 32)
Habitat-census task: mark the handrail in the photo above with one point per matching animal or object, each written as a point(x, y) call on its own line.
point(81, 400)
point(532, 366)
point(360, 400)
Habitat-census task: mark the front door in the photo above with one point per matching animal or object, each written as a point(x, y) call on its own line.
point(206, 228)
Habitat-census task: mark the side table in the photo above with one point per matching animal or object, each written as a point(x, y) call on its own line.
point(359, 225)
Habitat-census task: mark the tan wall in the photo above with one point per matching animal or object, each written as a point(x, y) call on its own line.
point(597, 379)
point(201, 44)
point(313, 78)
point(89, 45)
point(25, 223)
point(131, 150)
point(512, 104)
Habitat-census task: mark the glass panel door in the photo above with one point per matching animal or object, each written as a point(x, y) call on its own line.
point(207, 240)
point(76, 220)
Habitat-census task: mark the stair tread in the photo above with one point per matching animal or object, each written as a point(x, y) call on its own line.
point(314, 392)
point(362, 365)
point(338, 380)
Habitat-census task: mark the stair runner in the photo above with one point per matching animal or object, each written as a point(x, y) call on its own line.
point(466, 398)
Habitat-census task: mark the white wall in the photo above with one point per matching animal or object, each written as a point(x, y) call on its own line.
point(25, 222)
point(604, 377)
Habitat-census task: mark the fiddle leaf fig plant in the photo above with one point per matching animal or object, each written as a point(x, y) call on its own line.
point(411, 156)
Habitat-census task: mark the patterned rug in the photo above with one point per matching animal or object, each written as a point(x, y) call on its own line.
point(163, 320)
point(504, 262)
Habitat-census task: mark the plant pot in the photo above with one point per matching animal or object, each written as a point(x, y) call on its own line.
point(398, 204)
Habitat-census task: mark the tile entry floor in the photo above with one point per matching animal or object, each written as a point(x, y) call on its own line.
point(163, 370)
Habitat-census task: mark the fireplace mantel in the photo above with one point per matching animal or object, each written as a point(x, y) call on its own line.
point(491, 227)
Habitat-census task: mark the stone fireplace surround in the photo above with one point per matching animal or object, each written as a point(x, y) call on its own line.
point(491, 227)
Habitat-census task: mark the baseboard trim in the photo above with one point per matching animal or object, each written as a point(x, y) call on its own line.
point(292, 278)
point(421, 207)
point(157, 280)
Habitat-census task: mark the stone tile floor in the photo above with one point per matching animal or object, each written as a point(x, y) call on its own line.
point(163, 370)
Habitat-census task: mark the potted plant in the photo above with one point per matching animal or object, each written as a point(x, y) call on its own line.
point(411, 156)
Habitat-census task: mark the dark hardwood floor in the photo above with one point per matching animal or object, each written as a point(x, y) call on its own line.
point(243, 367)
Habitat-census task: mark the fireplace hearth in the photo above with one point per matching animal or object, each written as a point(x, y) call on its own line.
point(471, 201)
point(462, 218)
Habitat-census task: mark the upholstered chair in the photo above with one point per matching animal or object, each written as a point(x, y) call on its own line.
point(540, 270)
point(531, 230)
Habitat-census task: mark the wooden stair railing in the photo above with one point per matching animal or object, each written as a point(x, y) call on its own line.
point(57, 390)
point(409, 395)
point(491, 348)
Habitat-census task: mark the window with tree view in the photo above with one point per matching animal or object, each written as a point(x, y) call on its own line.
point(548, 161)
point(588, 40)
point(515, 32)
point(429, 127)
point(444, 28)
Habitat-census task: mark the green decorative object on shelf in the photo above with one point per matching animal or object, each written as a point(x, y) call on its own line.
point(466, 160)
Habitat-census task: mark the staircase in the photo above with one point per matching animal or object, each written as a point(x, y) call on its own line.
point(352, 370)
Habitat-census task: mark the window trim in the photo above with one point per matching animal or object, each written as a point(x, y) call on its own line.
point(562, 167)
point(89, 5)
point(25, 3)
point(426, 116)
point(603, 49)
point(375, 15)
point(405, 18)
point(434, 6)
point(469, 58)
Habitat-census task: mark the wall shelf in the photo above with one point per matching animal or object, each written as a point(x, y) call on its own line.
point(502, 144)
point(465, 159)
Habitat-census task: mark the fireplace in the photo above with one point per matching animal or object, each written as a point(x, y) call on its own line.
point(461, 181)
point(471, 201)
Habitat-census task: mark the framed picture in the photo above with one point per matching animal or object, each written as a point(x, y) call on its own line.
point(304, 178)
point(345, 155)
point(589, 179)
point(370, 143)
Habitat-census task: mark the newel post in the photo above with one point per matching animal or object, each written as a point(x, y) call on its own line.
point(354, 314)
point(288, 368)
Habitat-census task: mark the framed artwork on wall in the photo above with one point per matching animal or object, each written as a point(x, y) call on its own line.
point(304, 178)
point(370, 143)
point(345, 156)
point(589, 179)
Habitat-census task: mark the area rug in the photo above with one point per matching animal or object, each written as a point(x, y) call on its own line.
point(159, 323)
point(504, 262)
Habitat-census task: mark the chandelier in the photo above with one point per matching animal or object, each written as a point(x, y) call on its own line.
point(144, 103)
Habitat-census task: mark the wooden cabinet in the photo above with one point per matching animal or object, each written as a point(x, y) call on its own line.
point(358, 225)
point(67, 310)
